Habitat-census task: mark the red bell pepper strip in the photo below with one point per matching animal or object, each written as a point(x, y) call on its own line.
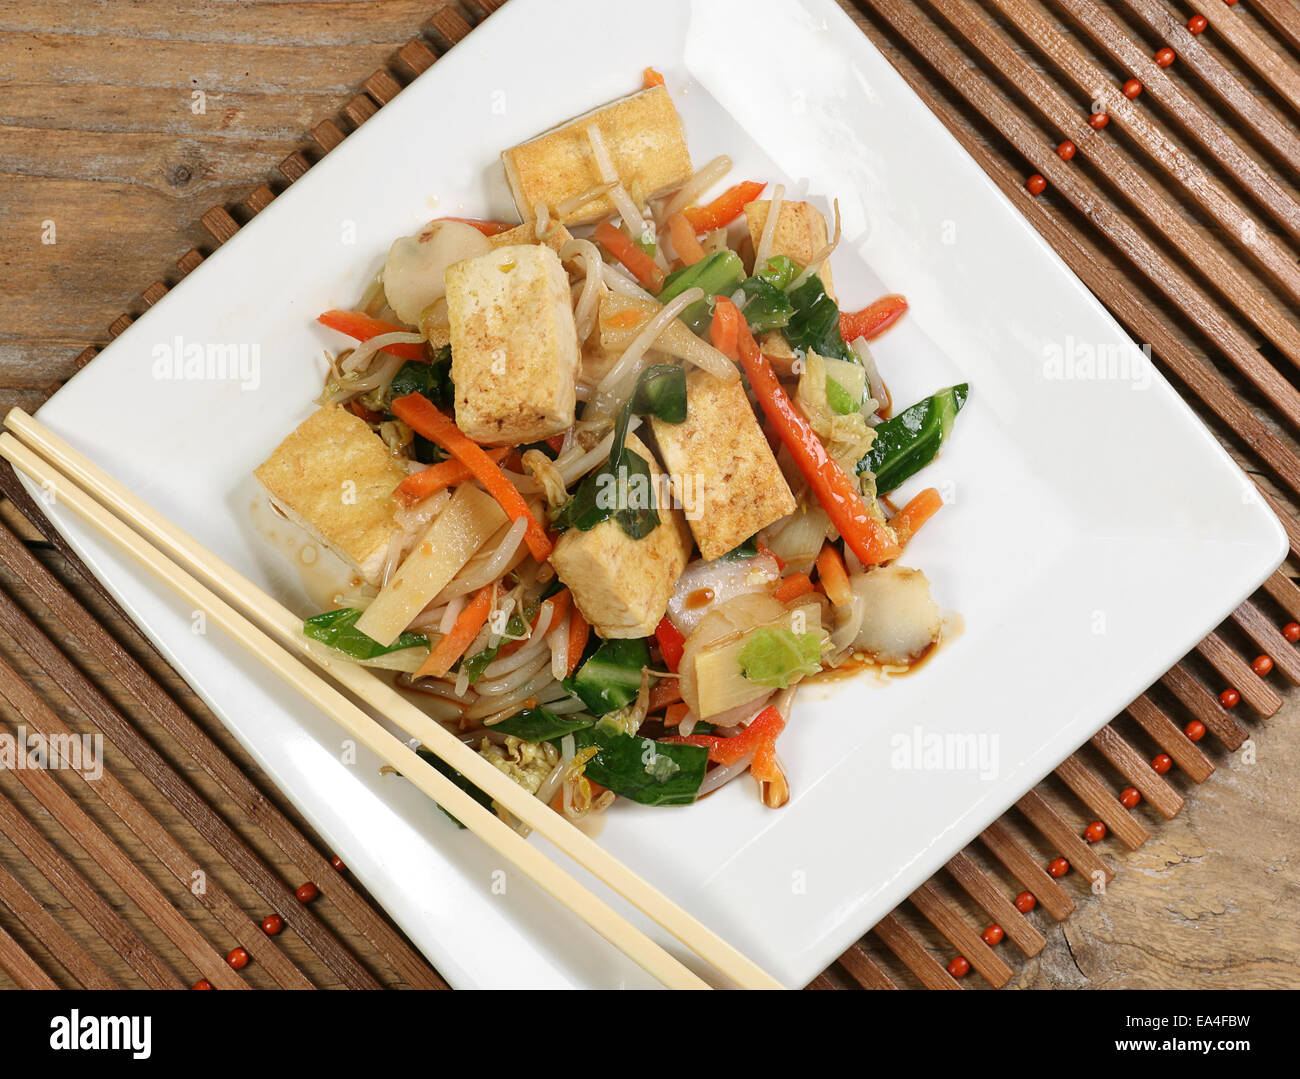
point(723, 210)
point(638, 263)
point(764, 730)
point(671, 642)
point(838, 494)
point(419, 414)
point(363, 328)
point(872, 320)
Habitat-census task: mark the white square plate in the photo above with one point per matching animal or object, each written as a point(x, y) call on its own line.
point(1094, 529)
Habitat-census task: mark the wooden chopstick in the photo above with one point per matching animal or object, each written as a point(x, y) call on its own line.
point(482, 822)
point(286, 626)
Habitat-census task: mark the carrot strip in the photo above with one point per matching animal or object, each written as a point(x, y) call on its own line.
point(488, 228)
point(579, 631)
point(650, 77)
point(794, 586)
point(682, 233)
point(419, 414)
point(839, 496)
point(908, 521)
point(834, 576)
point(363, 328)
point(638, 263)
point(468, 623)
point(675, 714)
point(725, 208)
point(420, 485)
point(872, 320)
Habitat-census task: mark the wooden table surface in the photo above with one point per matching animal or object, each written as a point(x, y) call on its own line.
point(122, 122)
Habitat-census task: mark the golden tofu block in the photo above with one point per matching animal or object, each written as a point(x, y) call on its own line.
point(643, 135)
point(556, 236)
point(721, 466)
point(334, 477)
point(800, 233)
point(514, 345)
point(621, 585)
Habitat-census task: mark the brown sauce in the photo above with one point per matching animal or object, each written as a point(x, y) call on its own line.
point(701, 597)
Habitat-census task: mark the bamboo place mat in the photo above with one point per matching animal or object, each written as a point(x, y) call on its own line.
point(1177, 208)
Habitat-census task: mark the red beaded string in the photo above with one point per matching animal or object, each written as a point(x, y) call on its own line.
point(272, 924)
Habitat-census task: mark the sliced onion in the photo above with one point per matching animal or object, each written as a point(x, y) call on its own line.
point(723, 580)
point(618, 374)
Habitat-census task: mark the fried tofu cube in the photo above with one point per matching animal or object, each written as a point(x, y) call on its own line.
point(514, 346)
point(622, 585)
point(643, 135)
point(722, 469)
point(556, 236)
point(334, 477)
point(800, 233)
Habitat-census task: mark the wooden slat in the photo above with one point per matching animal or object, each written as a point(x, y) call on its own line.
point(1280, 76)
point(360, 109)
point(38, 716)
point(449, 25)
point(245, 797)
point(912, 953)
point(1261, 629)
point(1253, 689)
point(1159, 85)
point(863, 969)
point(118, 326)
point(42, 925)
point(1205, 706)
point(416, 56)
point(119, 866)
point(294, 166)
point(1285, 592)
point(85, 898)
point(1136, 118)
point(1069, 844)
point(20, 966)
point(326, 135)
point(1197, 58)
point(960, 935)
point(1022, 865)
point(189, 262)
point(1283, 16)
point(1290, 523)
point(1094, 793)
point(85, 356)
point(821, 982)
point(259, 199)
point(1187, 755)
point(1163, 798)
point(153, 293)
point(220, 225)
point(985, 891)
point(1070, 118)
point(382, 87)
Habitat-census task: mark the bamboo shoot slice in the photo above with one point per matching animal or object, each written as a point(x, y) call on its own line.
point(469, 519)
